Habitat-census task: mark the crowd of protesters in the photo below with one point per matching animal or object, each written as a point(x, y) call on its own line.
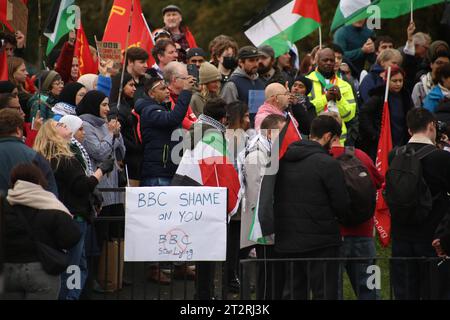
point(63, 136)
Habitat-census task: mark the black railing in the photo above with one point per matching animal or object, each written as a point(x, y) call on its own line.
point(264, 279)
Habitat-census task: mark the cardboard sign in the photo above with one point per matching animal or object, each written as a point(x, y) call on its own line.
point(110, 51)
point(17, 15)
point(175, 224)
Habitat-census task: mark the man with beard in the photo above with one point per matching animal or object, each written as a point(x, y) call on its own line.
point(266, 69)
point(309, 201)
point(244, 78)
point(180, 33)
point(329, 92)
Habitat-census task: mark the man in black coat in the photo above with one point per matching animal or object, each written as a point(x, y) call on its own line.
point(414, 280)
point(310, 199)
point(157, 123)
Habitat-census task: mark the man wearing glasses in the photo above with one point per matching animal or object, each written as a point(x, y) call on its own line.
point(277, 101)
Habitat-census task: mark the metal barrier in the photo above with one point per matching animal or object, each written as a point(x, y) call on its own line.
point(414, 278)
point(264, 279)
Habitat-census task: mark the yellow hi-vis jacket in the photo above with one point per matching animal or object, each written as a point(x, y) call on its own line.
point(346, 106)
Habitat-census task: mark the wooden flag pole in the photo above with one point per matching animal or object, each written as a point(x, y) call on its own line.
point(412, 10)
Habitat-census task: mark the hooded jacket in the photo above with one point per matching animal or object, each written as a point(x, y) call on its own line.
point(310, 198)
point(371, 81)
point(157, 125)
point(238, 86)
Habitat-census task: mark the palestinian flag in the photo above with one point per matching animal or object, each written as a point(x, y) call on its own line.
point(263, 216)
point(282, 23)
point(209, 164)
point(288, 135)
point(60, 22)
point(349, 11)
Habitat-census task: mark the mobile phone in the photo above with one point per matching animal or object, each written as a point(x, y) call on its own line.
point(193, 71)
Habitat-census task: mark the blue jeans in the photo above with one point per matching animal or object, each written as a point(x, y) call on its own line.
point(355, 247)
point(77, 258)
point(156, 182)
point(420, 279)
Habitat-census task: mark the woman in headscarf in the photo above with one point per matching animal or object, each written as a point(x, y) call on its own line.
point(74, 188)
point(129, 121)
point(49, 85)
point(102, 141)
point(89, 81)
point(69, 98)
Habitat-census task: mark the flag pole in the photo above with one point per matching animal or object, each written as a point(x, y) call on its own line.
point(148, 28)
point(39, 36)
point(412, 10)
point(125, 57)
point(320, 37)
point(386, 94)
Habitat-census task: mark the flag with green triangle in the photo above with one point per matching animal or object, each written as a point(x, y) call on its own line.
point(282, 23)
point(60, 22)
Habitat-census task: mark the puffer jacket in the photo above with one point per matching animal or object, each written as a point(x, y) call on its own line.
point(157, 125)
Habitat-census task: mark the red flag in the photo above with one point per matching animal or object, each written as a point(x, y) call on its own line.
point(190, 38)
point(382, 215)
point(3, 66)
point(3, 13)
point(288, 135)
point(307, 9)
point(117, 27)
point(83, 53)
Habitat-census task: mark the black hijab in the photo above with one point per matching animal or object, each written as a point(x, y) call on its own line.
point(69, 93)
point(91, 103)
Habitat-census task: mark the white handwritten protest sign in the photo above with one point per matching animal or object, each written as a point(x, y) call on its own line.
point(175, 224)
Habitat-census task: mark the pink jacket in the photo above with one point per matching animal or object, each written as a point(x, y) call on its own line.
point(265, 110)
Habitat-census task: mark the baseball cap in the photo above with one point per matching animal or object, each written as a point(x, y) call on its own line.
point(170, 8)
point(267, 51)
point(195, 52)
point(248, 52)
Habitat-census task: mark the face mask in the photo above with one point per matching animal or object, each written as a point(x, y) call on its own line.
point(229, 63)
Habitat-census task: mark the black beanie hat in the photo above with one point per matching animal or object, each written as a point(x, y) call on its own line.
point(91, 103)
point(7, 87)
point(69, 93)
point(307, 82)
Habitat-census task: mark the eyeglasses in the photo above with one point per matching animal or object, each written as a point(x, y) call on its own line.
point(58, 83)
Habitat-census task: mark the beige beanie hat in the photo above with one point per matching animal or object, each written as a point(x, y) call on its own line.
point(208, 73)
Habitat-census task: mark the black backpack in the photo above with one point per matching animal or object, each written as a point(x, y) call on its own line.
point(360, 187)
point(407, 194)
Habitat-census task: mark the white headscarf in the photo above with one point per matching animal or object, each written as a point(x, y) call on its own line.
point(89, 81)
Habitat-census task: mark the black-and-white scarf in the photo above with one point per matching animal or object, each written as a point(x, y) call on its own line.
point(89, 170)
